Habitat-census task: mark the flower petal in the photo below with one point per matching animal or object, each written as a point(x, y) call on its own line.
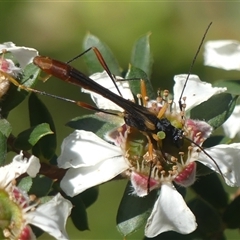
point(23, 55)
point(52, 216)
point(223, 54)
point(104, 80)
point(232, 125)
point(194, 90)
point(77, 180)
point(84, 149)
point(227, 158)
point(18, 166)
point(170, 213)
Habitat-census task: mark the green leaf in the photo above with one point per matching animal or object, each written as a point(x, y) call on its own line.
point(89, 196)
point(5, 127)
point(38, 113)
point(210, 188)
point(31, 186)
point(215, 140)
point(3, 148)
point(28, 138)
point(208, 219)
point(98, 123)
point(216, 110)
point(25, 184)
point(80, 203)
point(231, 216)
point(5, 131)
point(141, 55)
point(45, 183)
point(136, 73)
point(233, 86)
point(91, 59)
point(15, 95)
point(134, 211)
point(79, 214)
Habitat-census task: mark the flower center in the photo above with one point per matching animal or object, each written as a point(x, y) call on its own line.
point(13, 207)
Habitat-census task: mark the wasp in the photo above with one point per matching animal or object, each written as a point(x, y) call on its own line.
point(134, 115)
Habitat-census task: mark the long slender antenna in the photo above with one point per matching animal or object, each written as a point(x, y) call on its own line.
point(202, 149)
point(193, 62)
point(101, 61)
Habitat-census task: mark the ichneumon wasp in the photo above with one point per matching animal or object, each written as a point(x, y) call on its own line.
point(135, 116)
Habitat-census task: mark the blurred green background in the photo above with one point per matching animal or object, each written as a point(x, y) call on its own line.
point(57, 29)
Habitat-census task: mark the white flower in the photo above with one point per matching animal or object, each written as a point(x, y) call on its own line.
point(21, 211)
point(23, 55)
point(232, 125)
point(52, 216)
point(224, 155)
point(223, 54)
point(104, 80)
point(227, 158)
point(170, 213)
point(92, 161)
point(194, 90)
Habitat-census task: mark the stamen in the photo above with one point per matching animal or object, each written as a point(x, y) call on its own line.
point(139, 97)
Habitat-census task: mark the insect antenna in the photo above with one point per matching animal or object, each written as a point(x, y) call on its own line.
point(102, 62)
point(184, 86)
point(192, 64)
point(202, 149)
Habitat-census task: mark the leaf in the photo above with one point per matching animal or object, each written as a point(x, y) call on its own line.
point(90, 196)
point(231, 216)
point(210, 188)
point(91, 59)
point(25, 184)
point(98, 123)
point(216, 110)
point(5, 127)
point(38, 113)
point(45, 183)
point(3, 148)
point(209, 221)
point(215, 140)
point(233, 86)
point(136, 73)
point(79, 213)
point(141, 55)
point(28, 138)
point(133, 211)
point(14, 95)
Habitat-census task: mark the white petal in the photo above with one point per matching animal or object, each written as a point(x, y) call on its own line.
point(6, 45)
point(194, 90)
point(23, 55)
point(77, 180)
point(170, 213)
point(83, 149)
point(232, 125)
point(227, 158)
point(52, 216)
point(18, 166)
point(223, 54)
point(104, 80)
point(33, 167)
